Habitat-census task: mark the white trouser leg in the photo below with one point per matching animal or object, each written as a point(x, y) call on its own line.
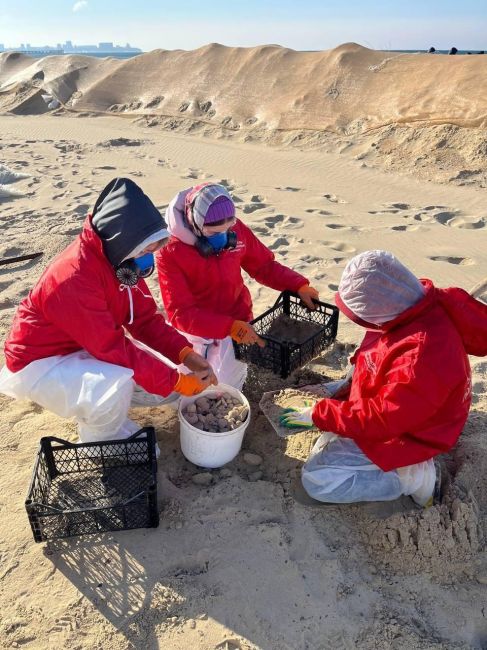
point(337, 471)
point(95, 393)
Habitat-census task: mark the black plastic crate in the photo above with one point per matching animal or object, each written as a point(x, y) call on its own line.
point(282, 357)
point(93, 487)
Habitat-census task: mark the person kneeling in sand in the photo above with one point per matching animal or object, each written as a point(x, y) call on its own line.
point(410, 391)
point(200, 276)
point(68, 348)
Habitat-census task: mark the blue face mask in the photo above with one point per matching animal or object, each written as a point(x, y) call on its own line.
point(218, 241)
point(145, 264)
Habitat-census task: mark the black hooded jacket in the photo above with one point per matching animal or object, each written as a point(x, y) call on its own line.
point(123, 217)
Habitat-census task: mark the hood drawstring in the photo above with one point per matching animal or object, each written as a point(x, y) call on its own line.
point(122, 287)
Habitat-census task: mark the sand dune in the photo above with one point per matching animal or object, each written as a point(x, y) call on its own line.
point(349, 89)
point(409, 112)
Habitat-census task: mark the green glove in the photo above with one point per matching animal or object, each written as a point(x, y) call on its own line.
point(297, 418)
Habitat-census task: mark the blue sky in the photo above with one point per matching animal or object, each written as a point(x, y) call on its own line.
point(299, 24)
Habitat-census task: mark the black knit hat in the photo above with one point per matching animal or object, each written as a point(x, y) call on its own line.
point(124, 217)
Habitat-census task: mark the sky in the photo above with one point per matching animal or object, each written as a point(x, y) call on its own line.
point(298, 24)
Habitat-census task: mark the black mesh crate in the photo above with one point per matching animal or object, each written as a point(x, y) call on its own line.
point(93, 487)
point(282, 356)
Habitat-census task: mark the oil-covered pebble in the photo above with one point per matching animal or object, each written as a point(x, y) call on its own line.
point(220, 414)
point(252, 459)
point(203, 478)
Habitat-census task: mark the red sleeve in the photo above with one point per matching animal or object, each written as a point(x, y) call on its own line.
point(469, 316)
point(88, 320)
point(411, 393)
point(179, 302)
point(150, 327)
point(260, 264)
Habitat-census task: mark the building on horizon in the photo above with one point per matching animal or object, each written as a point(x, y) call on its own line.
point(68, 48)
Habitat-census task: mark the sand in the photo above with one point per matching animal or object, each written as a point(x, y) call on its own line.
point(238, 562)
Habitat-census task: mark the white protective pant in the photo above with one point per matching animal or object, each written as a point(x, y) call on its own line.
point(221, 356)
point(95, 393)
point(337, 471)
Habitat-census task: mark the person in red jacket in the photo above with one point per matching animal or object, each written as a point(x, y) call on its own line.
point(90, 330)
point(410, 391)
point(200, 276)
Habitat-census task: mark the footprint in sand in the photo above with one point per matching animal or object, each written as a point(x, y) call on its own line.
point(196, 174)
point(461, 261)
point(260, 230)
point(337, 226)
point(333, 198)
point(400, 206)
point(289, 189)
point(248, 208)
point(406, 228)
point(287, 222)
point(191, 173)
point(293, 223)
point(310, 259)
point(273, 219)
point(339, 246)
point(324, 213)
point(82, 196)
point(80, 210)
point(232, 185)
point(165, 162)
point(319, 275)
point(392, 208)
point(278, 243)
point(320, 261)
point(453, 220)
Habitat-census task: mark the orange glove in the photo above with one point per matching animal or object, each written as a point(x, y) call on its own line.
point(184, 353)
point(243, 332)
point(307, 294)
point(189, 385)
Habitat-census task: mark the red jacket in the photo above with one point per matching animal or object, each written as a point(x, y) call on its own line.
point(203, 296)
point(77, 304)
point(411, 388)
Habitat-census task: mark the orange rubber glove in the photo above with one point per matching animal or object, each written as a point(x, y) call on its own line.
point(242, 332)
point(307, 294)
point(189, 385)
point(184, 353)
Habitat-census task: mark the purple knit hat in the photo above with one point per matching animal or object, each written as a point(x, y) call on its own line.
point(207, 204)
point(222, 208)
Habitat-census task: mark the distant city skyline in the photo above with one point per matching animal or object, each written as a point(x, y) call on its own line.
point(68, 48)
point(303, 25)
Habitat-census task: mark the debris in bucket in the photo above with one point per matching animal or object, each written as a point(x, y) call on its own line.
point(288, 330)
point(216, 414)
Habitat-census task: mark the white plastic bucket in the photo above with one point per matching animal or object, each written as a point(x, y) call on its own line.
point(206, 448)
